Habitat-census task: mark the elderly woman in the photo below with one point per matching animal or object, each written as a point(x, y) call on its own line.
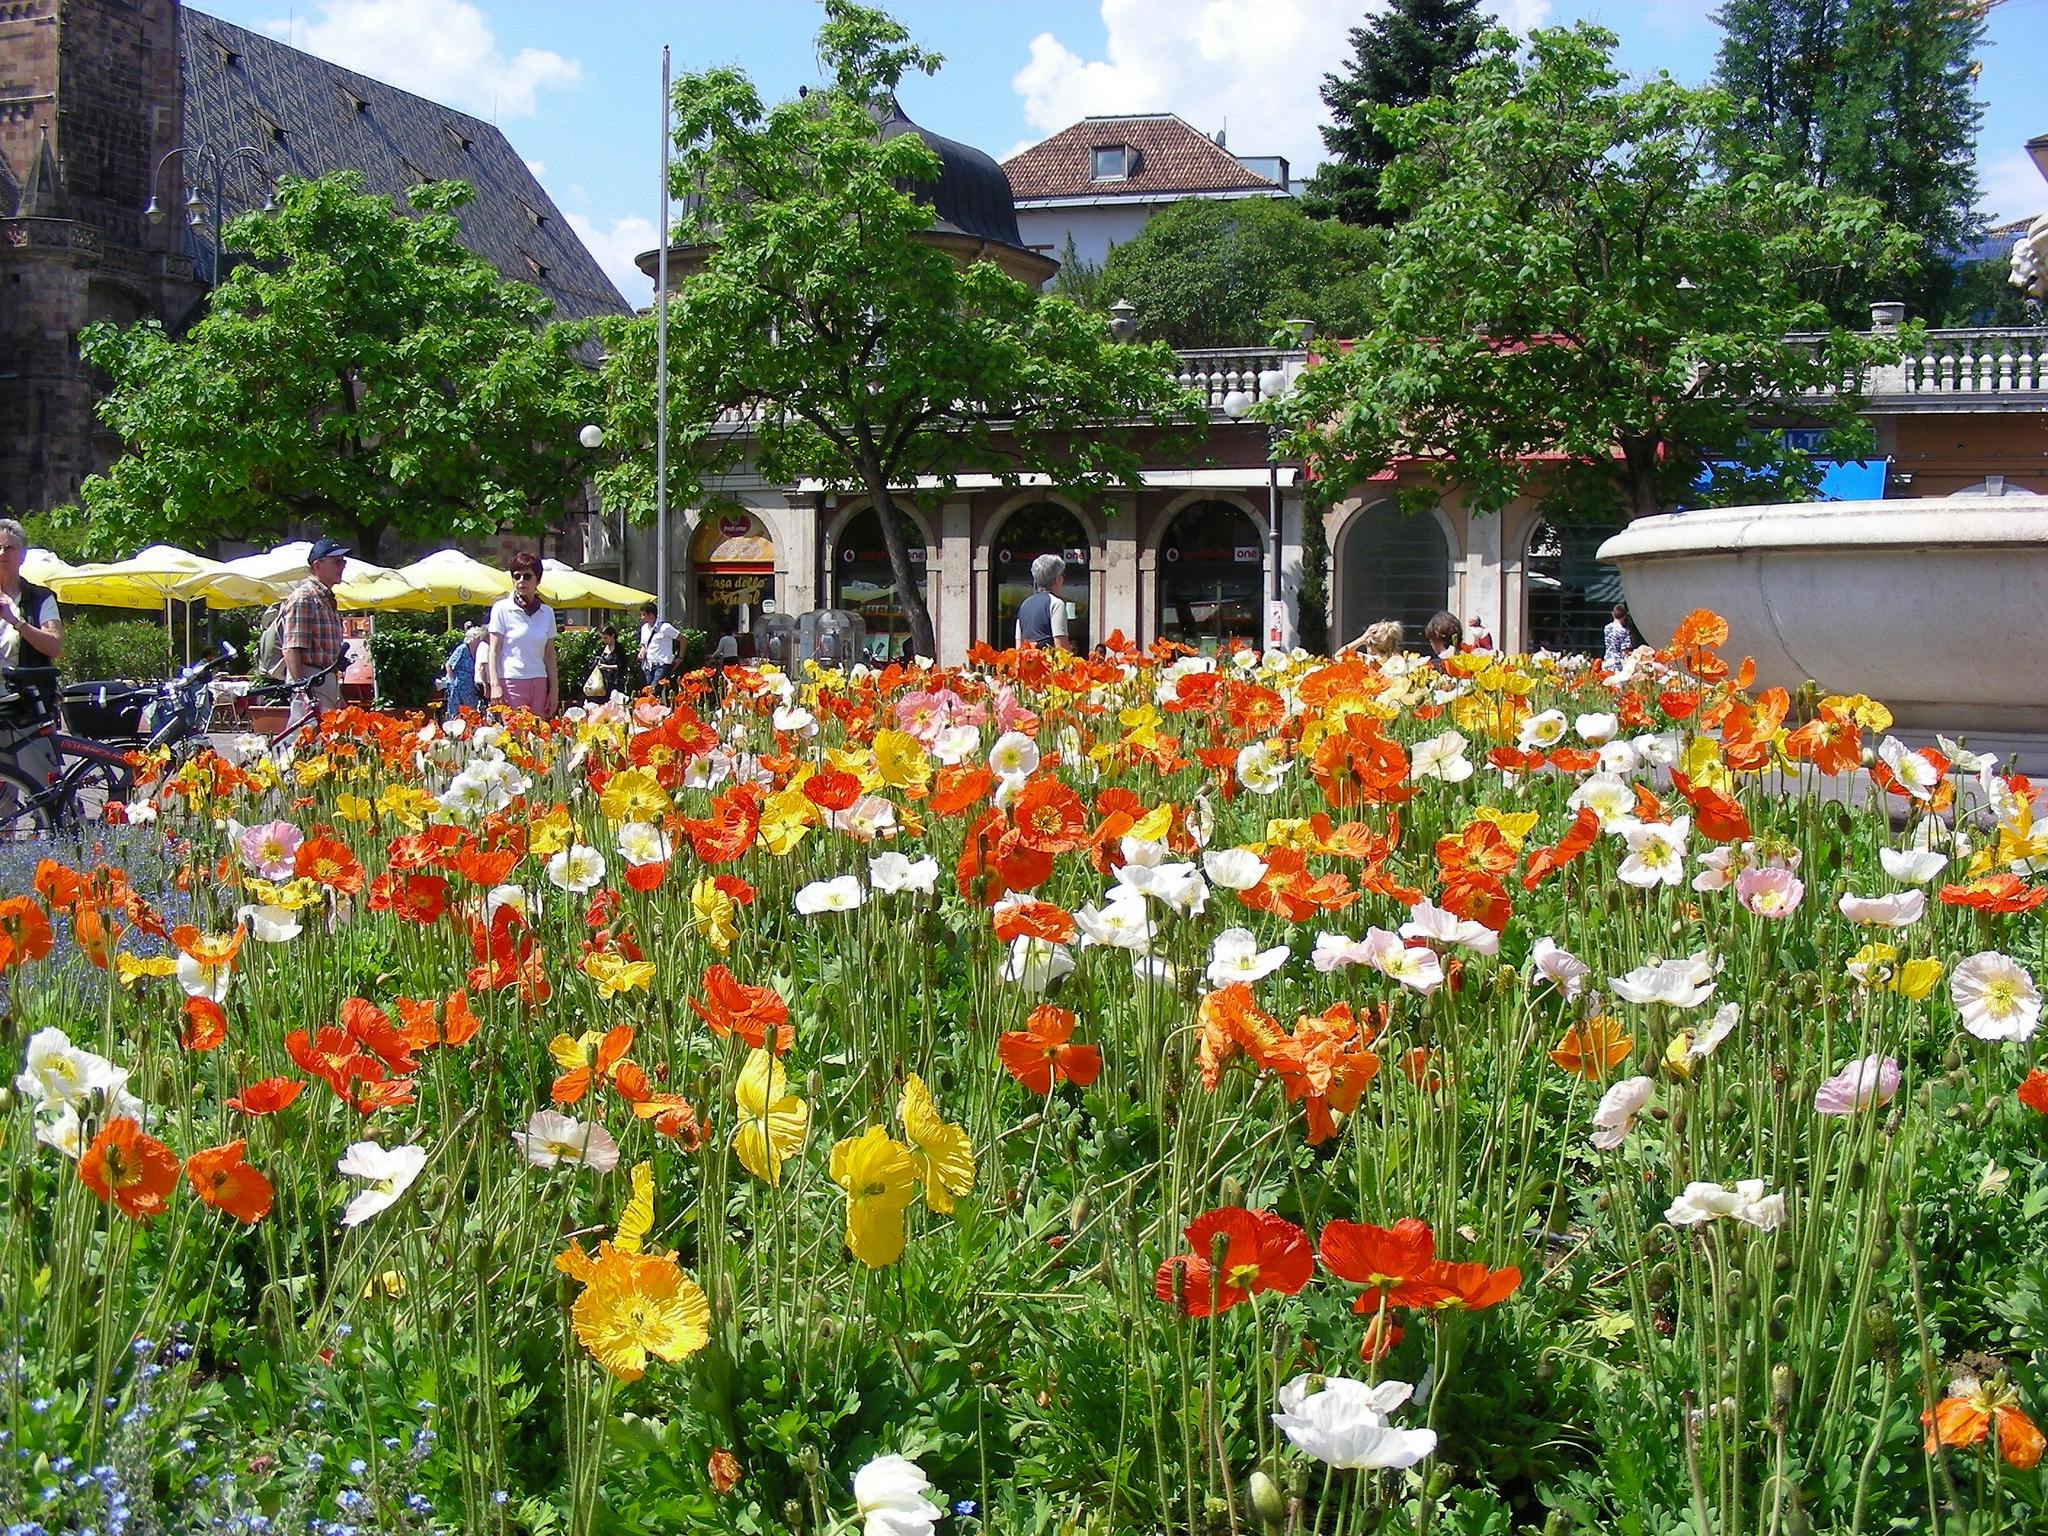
point(30, 633)
point(459, 676)
point(1042, 617)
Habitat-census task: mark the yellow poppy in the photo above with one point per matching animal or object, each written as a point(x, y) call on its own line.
point(551, 834)
point(311, 770)
point(1702, 764)
point(786, 819)
point(880, 1179)
point(1916, 978)
point(901, 761)
point(130, 969)
point(637, 1219)
point(772, 1119)
point(614, 973)
point(407, 805)
point(713, 914)
point(1153, 826)
point(634, 795)
point(1515, 826)
point(634, 1307)
point(352, 808)
point(942, 1152)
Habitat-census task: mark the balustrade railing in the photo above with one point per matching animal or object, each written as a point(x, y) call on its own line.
point(1987, 361)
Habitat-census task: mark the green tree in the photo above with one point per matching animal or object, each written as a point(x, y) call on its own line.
point(1403, 54)
point(823, 339)
point(1576, 307)
point(1874, 98)
point(360, 369)
point(1226, 274)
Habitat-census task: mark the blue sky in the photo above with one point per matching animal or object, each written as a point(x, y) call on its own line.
point(575, 86)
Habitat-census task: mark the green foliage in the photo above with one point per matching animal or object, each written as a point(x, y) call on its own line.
point(102, 650)
point(854, 352)
point(1226, 274)
point(59, 532)
point(1313, 602)
point(1578, 307)
point(408, 660)
point(692, 648)
point(361, 369)
point(1080, 281)
point(575, 654)
point(1874, 98)
point(1405, 53)
point(1980, 293)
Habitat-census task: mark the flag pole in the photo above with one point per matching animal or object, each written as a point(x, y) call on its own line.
point(661, 581)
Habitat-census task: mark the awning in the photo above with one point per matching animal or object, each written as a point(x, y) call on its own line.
point(1840, 479)
point(1248, 477)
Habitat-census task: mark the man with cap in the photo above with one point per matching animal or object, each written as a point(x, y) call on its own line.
point(312, 624)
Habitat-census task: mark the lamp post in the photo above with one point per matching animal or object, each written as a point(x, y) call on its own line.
point(216, 162)
point(1273, 385)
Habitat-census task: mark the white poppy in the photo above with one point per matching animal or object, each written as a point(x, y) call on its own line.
point(203, 978)
point(839, 894)
point(268, 924)
point(642, 842)
point(1619, 1106)
point(1607, 796)
point(956, 743)
point(1234, 869)
point(1262, 768)
point(1428, 921)
point(1996, 997)
point(58, 1072)
point(890, 1494)
point(1912, 866)
point(1701, 1202)
point(1343, 1423)
point(1656, 851)
point(1014, 755)
point(552, 1137)
point(1672, 983)
point(1560, 967)
point(1122, 922)
point(1899, 909)
point(1596, 730)
point(1035, 964)
point(576, 869)
point(1915, 774)
point(889, 873)
point(1411, 965)
point(389, 1172)
point(1235, 956)
point(1441, 757)
point(1542, 732)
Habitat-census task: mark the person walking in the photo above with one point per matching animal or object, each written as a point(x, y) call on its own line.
point(1617, 639)
point(459, 685)
point(1042, 617)
point(520, 661)
point(658, 640)
point(611, 661)
point(31, 634)
point(310, 632)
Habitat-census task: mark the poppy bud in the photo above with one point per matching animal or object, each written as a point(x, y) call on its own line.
point(1077, 1213)
point(1678, 1118)
point(1784, 1388)
point(1859, 1174)
point(1439, 1483)
point(1882, 1330)
point(1661, 1280)
point(792, 1515)
point(1268, 1502)
point(1233, 1191)
point(807, 1460)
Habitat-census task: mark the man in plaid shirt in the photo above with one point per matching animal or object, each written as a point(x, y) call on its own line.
point(312, 624)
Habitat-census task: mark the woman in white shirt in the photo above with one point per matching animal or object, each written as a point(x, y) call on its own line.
point(520, 651)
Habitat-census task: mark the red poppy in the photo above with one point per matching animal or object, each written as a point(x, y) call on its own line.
point(205, 1026)
point(2034, 1091)
point(414, 898)
point(390, 1093)
point(27, 930)
point(268, 1096)
point(829, 789)
point(646, 878)
point(1394, 1263)
point(1716, 816)
point(133, 1170)
point(1581, 835)
point(222, 1178)
point(1260, 1252)
point(731, 1007)
point(2002, 892)
point(1040, 1055)
point(1474, 1287)
point(1382, 1333)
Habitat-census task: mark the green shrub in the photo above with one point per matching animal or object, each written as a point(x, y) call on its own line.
point(696, 646)
point(408, 658)
point(575, 655)
point(102, 650)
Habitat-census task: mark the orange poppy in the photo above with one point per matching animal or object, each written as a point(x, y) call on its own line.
point(415, 898)
point(205, 1026)
point(731, 1007)
point(958, 787)
point(1259, 1252)
point(334, 1056)
point(133, 1170)
point(1048, 817)
point(1041, 1053)
point(1474, 1287)
point(1034, 920)
point(328, 862)
point(58, 885)
point(222, 1178)
point(268, 1096)
point(1716, 815)
point(26, 928)
point(1591, 1046)
point(646, 878)
point(209, 948)
point(831, 790)
point(1394, 1264)
point(1581, 835)
point(674, 1117)
point(731, 828)
point(1232, 1022)
point(1973, 1410)
point(1832, 741)
point(2002, 892)
point(572, 1085)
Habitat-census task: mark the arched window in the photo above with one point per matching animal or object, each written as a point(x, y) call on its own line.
point(1211, 575)
point(1395, 565)
point(1044, 527)
point(863, 582)
point(1570, 593)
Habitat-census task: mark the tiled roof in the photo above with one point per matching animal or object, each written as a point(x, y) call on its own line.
point(1173, 159)
point(310, 117)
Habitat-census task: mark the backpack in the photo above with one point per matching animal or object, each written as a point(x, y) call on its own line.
point(270, 643)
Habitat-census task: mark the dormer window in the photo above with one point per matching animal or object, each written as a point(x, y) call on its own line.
point(1114, 162)
point(535, 266)
point(455, 135)
point(352, 101)
point(534, 216)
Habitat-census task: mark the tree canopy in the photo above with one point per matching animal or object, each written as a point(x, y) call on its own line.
point(823, 339)
point(1875, 98)
point(1205, 273)
point(1407, 52)
point(1578, 307)
point(361, 369)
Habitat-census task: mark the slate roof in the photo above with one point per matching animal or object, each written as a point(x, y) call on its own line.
point(972, 195)
point(310, 117)
point(1174, 160)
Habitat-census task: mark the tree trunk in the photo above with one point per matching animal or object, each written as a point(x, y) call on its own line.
point(923, 641)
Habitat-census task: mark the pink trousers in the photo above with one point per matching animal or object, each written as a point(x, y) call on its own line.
point(527, 693)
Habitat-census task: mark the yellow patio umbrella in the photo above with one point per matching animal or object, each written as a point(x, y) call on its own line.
point(449, 577)
point(570, 588)
point(148, 580)
point(256, 581)
point(40, 567)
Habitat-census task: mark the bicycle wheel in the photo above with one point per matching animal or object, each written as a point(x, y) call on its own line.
point(88, 777)
point(24, 816)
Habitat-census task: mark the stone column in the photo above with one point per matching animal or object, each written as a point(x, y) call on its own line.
point(953, 585)
point(1485, 589)
point(1118, 606)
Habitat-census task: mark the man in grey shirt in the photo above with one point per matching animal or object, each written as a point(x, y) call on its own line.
point(1042, 617)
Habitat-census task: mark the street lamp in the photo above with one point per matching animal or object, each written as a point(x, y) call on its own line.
point(592, 436)
point(215, 164)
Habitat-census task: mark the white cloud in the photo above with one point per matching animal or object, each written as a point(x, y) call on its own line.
point(615, 248)
point(2009, 187)
point(441, 49)
point(1256, 69)
point(539, 169)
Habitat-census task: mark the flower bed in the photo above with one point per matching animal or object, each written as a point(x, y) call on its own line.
point(1052, 1095)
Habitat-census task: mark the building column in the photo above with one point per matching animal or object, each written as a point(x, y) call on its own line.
point(1118, 605)
point(1289, 555)
point(1485, 589)
point(954, 583)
